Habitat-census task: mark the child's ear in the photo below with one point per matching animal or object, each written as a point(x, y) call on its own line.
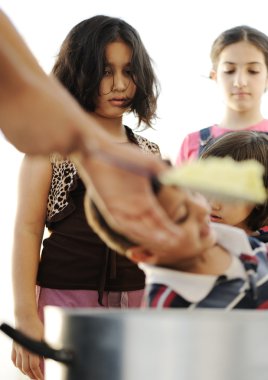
point(140, 255)
point(213, 74)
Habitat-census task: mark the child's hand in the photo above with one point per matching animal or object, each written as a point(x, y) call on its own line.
point(29, 364)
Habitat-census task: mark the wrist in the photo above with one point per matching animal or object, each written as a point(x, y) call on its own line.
point(23, 314)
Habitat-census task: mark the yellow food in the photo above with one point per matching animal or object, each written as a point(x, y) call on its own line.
point(221, 177)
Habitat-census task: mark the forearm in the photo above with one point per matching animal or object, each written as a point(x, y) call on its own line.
point(24, 272)
point(25, 265)
point(13, 45)
point(18, 66)
point(37, 113)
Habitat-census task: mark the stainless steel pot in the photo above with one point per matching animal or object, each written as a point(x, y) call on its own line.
point(156, 345)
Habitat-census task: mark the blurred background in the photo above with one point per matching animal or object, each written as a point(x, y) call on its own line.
point(178, 37)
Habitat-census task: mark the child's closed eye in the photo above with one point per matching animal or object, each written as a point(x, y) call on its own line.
point(182, 214)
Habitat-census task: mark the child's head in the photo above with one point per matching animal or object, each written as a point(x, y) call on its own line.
point(189, 211)
point(240, 145)
point(103, 60)
point(239, 66)
point(239, 34)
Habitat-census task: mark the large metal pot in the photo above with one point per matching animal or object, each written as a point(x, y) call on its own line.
point(156, 345)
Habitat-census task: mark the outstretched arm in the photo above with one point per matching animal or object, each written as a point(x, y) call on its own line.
point(37, 114)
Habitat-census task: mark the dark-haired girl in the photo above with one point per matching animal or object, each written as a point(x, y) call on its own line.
point(105, 66)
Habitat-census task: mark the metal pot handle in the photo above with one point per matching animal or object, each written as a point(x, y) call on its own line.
point(40, 348)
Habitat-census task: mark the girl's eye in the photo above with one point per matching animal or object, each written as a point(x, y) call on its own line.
point(128, 72)
point(182, 214)
point(228, 72)
point(254, 72)
point(107, 72)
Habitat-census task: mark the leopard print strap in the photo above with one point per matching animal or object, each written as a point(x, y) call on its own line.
point(64, 175)
point(147, 146)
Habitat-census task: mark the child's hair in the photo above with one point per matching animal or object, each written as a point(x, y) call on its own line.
point(237, 34)
point(81, 62)
point(244, 145)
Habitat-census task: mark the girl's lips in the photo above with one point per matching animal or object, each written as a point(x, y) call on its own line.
point(215, 218)
point(241, 94)
point(118, 102)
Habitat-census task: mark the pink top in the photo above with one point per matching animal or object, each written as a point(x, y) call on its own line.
point(191, 143)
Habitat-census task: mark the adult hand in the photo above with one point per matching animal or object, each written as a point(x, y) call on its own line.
point(29, 364)
point(120, 185)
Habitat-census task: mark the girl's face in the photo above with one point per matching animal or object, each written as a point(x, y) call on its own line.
point(117, 87)
point(231, 213)
point(242, 76)
point(191, 213)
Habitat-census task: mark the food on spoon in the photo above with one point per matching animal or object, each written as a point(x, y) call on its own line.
point(222, 177)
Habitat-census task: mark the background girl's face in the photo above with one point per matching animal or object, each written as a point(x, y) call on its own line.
point(117, 87)
point(242, 76)
point(191, 213)
point(230, 213)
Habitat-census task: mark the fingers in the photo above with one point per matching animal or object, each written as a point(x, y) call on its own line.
point(124, 196)
point(35, 366)
point(27, 363)
point(151, 228)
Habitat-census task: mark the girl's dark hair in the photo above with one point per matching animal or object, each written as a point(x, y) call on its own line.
point(244, 145)
point(81, 62)
point(237, 34)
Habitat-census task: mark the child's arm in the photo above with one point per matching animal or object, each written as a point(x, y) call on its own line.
point(34, 184)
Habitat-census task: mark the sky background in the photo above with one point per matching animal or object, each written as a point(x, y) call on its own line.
point(178, 37)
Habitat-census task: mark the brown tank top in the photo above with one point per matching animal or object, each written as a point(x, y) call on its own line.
point(73, 256)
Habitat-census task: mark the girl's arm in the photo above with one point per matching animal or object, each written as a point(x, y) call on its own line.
point(34, 184)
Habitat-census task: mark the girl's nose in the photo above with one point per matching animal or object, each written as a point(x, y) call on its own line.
point(215, 205)
point(120, 82)
point(240, 79)
point(201, 206)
